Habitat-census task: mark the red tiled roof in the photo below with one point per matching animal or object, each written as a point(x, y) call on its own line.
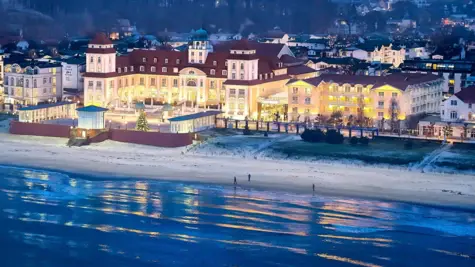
point(101, 39)
point(256, 82)
point(100, 50)
point(300, 69)
point(467, 95)
point(242, 44)
point(100, 75)
point(397, 80)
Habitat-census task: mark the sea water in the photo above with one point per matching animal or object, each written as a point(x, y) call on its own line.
point(52, 219)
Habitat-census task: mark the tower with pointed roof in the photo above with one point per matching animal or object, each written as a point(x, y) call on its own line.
point(99, 85)
point(199, 48)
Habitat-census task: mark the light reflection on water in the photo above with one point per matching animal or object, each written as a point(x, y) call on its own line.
point(50, 219)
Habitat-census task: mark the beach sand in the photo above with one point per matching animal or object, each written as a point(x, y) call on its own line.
point(114, 159)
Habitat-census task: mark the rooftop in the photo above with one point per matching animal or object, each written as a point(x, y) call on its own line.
point(196, 115)
point(45, 106)
point(101, 39)
point(92, 108)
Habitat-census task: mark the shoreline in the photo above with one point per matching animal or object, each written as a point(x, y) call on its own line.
point(258, 187)
point(120, 160)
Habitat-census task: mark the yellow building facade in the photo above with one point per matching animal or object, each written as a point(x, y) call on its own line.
point(246, 80)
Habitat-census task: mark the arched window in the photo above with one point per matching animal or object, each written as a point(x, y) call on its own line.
point(212, 72)
point(153, 69)
point(191, 72)
point(142, 68)
point(191, 83)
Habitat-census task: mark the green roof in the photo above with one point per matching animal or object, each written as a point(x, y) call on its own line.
point(92, 108)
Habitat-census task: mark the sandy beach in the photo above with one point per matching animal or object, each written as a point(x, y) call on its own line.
point(113, 159)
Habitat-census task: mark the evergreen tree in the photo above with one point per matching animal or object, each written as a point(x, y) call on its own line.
point(142, 124)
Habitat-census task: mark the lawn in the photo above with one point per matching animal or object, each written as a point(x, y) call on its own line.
point(379, 151)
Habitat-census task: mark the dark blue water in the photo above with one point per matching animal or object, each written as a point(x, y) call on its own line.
point(55, 220)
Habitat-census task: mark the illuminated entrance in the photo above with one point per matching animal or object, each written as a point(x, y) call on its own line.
point(269, 107)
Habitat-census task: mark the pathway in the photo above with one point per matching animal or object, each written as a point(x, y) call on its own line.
point(424, 165)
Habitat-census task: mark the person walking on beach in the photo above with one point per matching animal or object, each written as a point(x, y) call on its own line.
point(313, 187)
point(249, 177)
point(235, 181)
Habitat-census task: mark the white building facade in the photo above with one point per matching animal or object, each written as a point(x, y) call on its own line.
point(30, 83)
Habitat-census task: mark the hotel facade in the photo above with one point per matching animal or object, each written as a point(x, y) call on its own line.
point(246, 79)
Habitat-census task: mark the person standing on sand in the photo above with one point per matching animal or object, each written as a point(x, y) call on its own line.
point(235, 181)
point(313, 187)
point(249, 177)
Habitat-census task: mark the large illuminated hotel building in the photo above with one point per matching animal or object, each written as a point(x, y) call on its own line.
point(246, 79)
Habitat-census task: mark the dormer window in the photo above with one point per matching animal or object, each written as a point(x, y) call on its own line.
point(215, 63)
point(144, 60)
point(265, 76)
point(212, 72)
point(155, 60)
point(142, 68)
point(272, 75)
point(125, 69)
point(175, 70)
point(242, 66)
point(164, 69)
point(178, 61)
point(260, 76)
point(225, 72)
point(132, 68)
point(119, 70)
point(153, 69)
point(166, 60)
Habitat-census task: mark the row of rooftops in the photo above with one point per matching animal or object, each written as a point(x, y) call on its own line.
point(398, 80)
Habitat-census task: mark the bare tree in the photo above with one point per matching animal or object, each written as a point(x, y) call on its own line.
point(360, 117)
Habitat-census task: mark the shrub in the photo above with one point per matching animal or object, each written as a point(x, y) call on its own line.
point(313, 136)
point(246, 131)
point(334, 137)
point(364, 140)
point(408, 144)
point(354, 140)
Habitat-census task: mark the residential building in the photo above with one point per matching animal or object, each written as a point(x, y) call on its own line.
point(73, 70)
point(383, 53)
point(232, 75)
point(454, 72)
point(371, 95)
point(275, 36)
point(459, 107)
point(31, 82)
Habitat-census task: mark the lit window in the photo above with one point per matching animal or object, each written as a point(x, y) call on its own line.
point(166, 60)
point(164, 69)
point(212, 72)
point(142, 68)
point(225, 72)
point(381, 94)
point(307, 100)
point(153, 69)
point(381, 104)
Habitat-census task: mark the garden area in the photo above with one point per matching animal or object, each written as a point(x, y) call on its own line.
point(333, 146)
